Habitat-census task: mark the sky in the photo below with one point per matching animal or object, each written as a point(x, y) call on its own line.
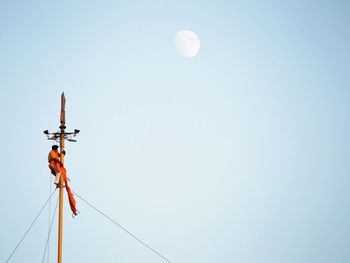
point(237, 155)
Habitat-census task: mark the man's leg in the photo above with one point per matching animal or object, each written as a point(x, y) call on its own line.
point(58, 176)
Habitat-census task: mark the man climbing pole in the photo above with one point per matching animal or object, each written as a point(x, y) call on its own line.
point(58, 170)
point(55, 164)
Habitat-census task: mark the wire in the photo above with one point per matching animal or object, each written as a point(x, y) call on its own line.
point(48, 236)
point(114, 222)
point(41, 210)
point(48, 248)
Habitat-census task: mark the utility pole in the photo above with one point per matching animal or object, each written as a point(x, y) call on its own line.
point(60, 137)
point(60, 214)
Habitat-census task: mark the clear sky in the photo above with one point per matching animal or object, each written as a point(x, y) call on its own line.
point(238, 155)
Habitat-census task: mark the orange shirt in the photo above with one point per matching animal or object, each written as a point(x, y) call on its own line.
point(53, 156)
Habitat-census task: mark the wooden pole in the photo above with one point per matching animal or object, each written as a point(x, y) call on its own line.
point(60, 216)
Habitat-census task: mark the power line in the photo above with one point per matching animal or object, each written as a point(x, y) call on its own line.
point(48, 248)
point(123, 228)
point(48, 236)
point(41, 210)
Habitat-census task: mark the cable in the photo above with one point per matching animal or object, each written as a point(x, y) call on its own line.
point(48, 236)
point(114, 222)
point(48, 248)
point(8, 259)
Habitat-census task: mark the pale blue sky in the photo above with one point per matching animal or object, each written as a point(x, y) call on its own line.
point(239, 155)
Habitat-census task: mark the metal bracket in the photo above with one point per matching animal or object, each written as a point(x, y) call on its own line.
point(55, 136)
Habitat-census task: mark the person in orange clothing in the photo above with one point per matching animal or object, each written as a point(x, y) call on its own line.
point(59, 171)
point(55, 164)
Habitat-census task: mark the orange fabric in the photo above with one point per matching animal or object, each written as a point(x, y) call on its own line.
point(62, 170)
point(53, 155)
point(52, 166)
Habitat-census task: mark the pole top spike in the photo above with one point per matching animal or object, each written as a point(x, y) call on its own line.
point(63, 112)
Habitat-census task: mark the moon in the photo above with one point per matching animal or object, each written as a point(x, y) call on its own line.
point(187, 43)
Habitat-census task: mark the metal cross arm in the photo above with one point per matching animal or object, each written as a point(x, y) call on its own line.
point(55, 136)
